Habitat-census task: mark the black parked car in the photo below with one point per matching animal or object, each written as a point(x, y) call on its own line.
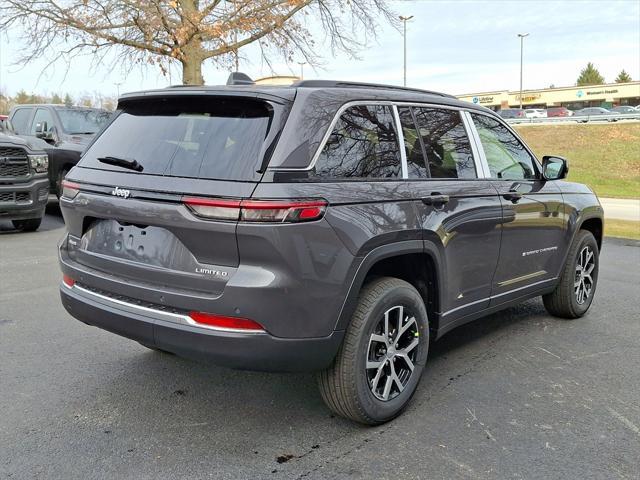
point(64, 133)
point(326, 226)
point(24, 187)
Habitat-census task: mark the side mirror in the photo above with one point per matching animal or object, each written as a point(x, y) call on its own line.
point(46, 134)
point(41, 129)
point(554, 168)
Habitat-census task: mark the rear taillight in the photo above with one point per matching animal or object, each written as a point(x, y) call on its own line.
point(226, 323)
point(68, 281)
point(70, 189)
point(219, 209)
point(275, 211)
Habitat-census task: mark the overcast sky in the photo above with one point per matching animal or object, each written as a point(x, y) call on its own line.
point(453, 46)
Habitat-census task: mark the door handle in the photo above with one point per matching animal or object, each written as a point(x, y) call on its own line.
point(513, 196)
point(436, 200)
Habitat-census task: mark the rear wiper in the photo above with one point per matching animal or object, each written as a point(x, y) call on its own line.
point(122, 162)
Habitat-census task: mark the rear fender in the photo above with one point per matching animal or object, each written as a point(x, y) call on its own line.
point(363, 265)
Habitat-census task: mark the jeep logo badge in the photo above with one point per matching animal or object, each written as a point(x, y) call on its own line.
point(120, 192)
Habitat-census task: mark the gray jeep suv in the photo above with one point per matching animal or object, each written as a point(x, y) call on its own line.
point(326, 226)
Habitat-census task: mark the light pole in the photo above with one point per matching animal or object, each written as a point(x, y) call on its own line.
point(302, 64)
point(521, 35)
point(117, 84)
point(404, 24)
point(237, 53)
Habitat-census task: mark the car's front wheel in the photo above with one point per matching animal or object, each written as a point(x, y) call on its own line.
point(380, 362)
point(574, 293)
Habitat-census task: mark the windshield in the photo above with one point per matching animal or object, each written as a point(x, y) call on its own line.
point(214, 138)
point(77, 121)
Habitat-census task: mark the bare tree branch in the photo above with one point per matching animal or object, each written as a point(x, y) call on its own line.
point(189, 32)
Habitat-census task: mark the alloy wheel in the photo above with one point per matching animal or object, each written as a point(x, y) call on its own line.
point(583, 282)
point(391, 353)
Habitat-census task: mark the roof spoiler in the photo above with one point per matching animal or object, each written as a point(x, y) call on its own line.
point(239, 78)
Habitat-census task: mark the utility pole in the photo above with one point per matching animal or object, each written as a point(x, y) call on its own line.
point(302, 64)
point(521, 35)
point(404, 24)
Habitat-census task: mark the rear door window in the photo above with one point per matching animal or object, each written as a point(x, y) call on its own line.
point(204, 137)
point(363, 144)
point(445, 142)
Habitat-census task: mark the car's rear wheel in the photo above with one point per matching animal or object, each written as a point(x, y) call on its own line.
point(380, 362)
point(574, 292)
point(28, 225)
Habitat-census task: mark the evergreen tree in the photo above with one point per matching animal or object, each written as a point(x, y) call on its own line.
point(21, 98)
point(56, 99)
point(68, 101)
point(589, 76)
point(623, 77)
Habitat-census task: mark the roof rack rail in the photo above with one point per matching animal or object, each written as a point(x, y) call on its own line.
point(342, 84)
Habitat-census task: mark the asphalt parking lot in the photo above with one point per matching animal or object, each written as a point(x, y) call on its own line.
point(515, 395)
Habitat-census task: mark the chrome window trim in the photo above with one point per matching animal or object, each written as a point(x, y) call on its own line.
point(401, 145)
point(480, 161)
point(482, 166)
point(336, 117)
point(327, 134)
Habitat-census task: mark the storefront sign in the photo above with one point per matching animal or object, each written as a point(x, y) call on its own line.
point(483, 99)
point(603, 92)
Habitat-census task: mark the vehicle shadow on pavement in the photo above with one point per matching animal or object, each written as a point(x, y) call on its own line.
point(186, 404)
point(485, 327)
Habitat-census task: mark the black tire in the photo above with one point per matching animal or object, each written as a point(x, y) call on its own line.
point(29, 225)
point(345, 386)
point(61, 174)
point(564, 301)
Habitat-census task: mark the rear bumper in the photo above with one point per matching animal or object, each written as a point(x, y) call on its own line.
point(249, 351)
point(37, 190)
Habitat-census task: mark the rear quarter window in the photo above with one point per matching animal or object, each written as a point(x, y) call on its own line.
point(363, 144)
point(204, 137)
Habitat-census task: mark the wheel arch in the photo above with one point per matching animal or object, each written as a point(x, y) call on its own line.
point(595, 225)
point(412, 261)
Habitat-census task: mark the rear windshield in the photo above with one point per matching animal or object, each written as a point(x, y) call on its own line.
point(213, 138)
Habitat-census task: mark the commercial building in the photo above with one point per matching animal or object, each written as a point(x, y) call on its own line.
point(277, 80)
point(574, 98)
